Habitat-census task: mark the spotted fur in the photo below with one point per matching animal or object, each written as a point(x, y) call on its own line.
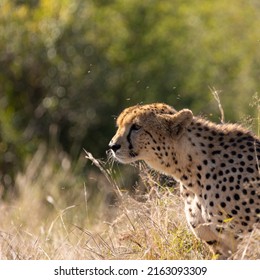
point(216, 164)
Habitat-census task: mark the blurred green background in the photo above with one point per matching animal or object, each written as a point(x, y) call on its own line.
point(68, 67)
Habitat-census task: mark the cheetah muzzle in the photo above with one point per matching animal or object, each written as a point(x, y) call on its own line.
point(216, 164)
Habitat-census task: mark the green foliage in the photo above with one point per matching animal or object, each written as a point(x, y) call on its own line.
point(67, 67)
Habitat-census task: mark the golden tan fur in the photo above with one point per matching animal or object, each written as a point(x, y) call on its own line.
point(217, 166)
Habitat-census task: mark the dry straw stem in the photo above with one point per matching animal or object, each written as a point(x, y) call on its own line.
point(105, 171)
point(215, 94)
point(250, 246)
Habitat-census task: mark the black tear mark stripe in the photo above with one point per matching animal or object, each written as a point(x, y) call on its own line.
point(128, 137)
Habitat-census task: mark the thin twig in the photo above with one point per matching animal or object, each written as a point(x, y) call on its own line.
point(105, 172)
point(216, 96)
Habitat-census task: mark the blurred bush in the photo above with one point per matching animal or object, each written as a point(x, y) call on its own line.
point(67, 67)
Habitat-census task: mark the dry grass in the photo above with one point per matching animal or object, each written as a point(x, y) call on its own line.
point(58, 216)
point(249, 249)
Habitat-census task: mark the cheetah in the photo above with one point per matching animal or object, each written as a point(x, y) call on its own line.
point(217, 166)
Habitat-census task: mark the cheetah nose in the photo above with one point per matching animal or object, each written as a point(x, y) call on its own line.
point(114, 147)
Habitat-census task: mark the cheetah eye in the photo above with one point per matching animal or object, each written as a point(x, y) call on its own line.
point(135, 127)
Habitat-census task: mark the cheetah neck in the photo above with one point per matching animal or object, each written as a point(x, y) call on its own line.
point(199, 152)
point(179, 159)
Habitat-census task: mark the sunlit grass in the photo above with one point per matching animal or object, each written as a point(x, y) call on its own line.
point(59, 216)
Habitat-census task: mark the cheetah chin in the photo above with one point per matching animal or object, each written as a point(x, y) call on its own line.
point(216, 164)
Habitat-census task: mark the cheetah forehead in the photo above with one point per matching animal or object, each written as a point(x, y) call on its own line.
point(129, 114)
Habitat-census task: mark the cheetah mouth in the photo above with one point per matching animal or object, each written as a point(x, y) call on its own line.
point(122, 158)
point(133, 154)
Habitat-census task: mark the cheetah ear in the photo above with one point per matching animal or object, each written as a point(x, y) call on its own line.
point(176, 124)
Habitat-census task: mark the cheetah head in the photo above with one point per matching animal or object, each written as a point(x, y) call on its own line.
point(143, 129)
